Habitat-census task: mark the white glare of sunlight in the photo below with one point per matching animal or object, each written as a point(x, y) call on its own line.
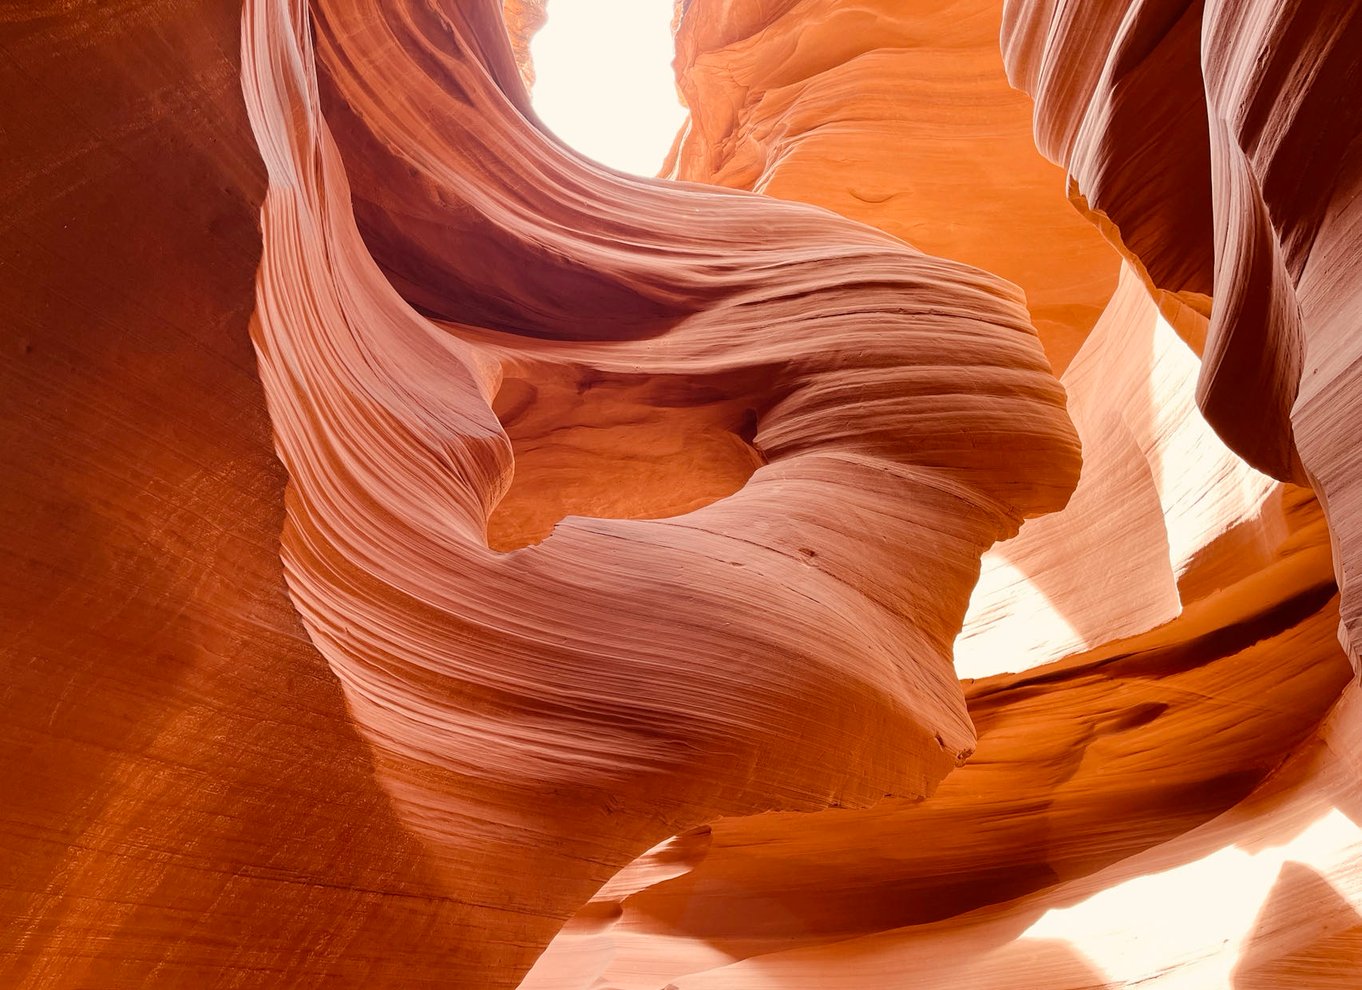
point(1197, 918)
point(604, 83)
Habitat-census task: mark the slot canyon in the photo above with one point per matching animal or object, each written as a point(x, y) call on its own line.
point(914, 541)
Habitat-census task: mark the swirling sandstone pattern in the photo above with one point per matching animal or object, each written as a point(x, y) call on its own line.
point(900, 116)
point(184, 801)
point(1201, 539)
point(556, 709)
point(1221, 141)
point(626, 514)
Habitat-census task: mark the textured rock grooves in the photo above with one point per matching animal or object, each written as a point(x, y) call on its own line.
point(632, 629)
point(554, 711)
point(1220, 140)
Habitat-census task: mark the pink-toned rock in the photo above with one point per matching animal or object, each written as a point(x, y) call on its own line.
point(558, 709)
point(1222, 142)
point(630, 628)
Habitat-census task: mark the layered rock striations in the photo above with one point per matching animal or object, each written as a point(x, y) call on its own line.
point(1219, 143)
point(681, 583)
point(1204, 555)
point(184, 800)
point(900, 116)
point(555, 709)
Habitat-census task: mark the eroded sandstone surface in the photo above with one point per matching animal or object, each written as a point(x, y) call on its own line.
point(912, 544)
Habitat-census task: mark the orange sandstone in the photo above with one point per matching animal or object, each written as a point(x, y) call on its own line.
point(588, 580)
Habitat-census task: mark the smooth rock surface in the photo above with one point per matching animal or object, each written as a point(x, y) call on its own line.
point(608, 582)
point(1221, 141)
point(555, 710)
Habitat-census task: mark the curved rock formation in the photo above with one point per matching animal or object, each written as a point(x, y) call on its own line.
point(900, 116)
point(1221, 142)
point(631, 628)
point(184, 801)
point(1200, 539)
point(557, 709)
point(1071, 895)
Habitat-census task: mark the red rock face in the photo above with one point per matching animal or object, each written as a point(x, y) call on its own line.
point(628, 625)
point(183, 798)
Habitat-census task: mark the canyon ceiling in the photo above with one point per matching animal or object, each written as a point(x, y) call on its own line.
point(916, 542)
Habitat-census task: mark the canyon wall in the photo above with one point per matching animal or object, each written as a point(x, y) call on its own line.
point(1219, 143)
point(1172, 546)
point(899, 551)
point(184, 800)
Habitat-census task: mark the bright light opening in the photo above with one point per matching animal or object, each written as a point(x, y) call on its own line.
point(604, 83)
